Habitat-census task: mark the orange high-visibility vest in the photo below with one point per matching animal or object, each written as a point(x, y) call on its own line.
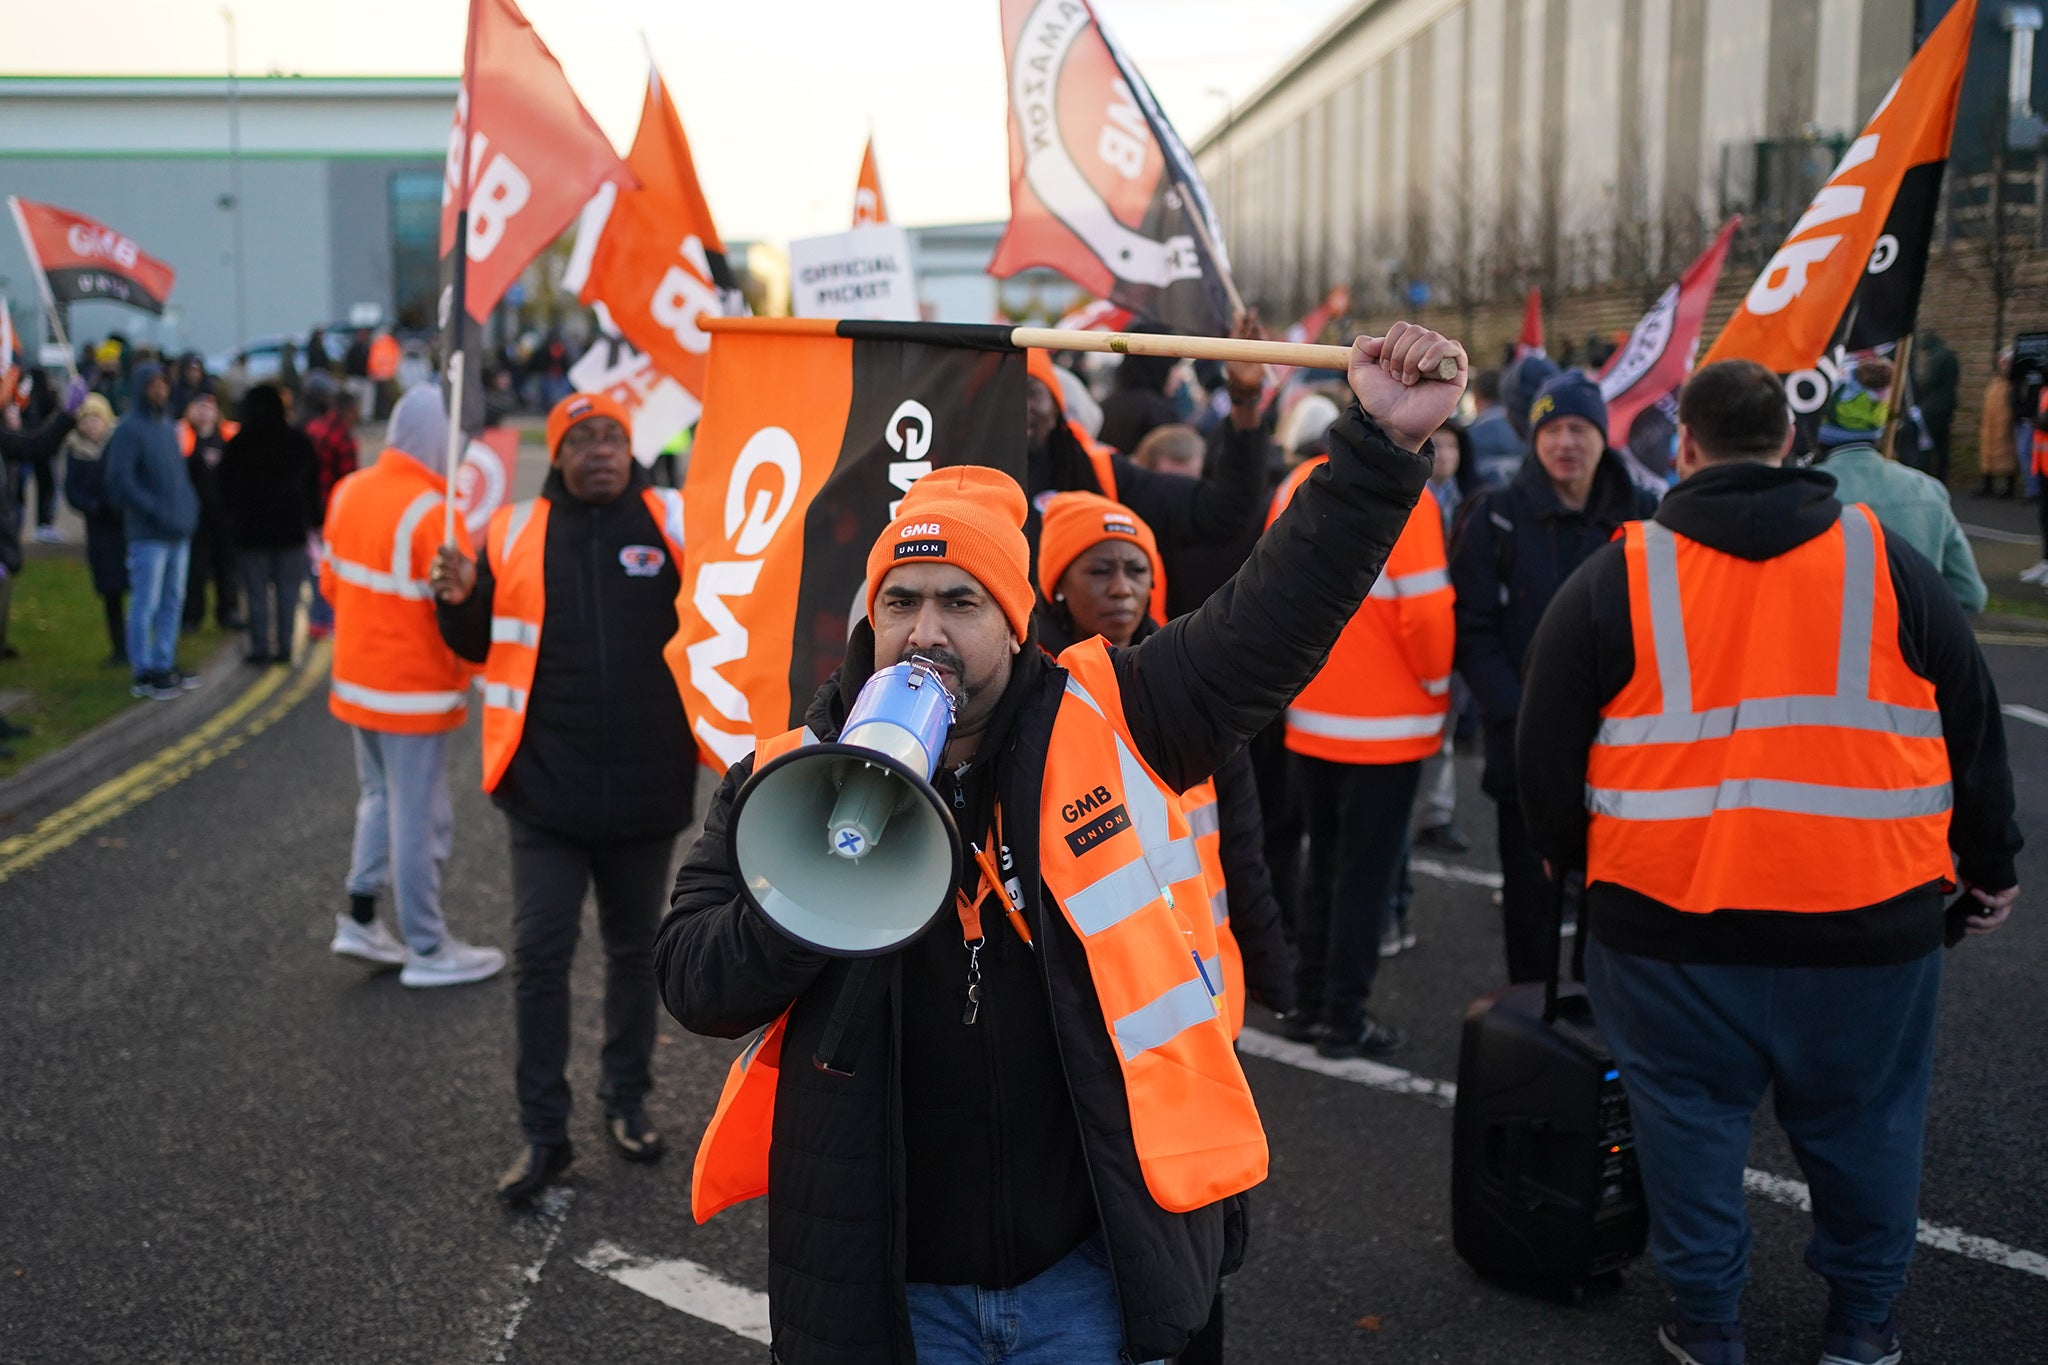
point(392, 672)
point(188, 439)
point(2041, 441)
point(1101, 457)
point(517, 541)
point(1383, 694)
point(384, 357)
point(1119, 859)
point(1773, 750)
point(1198, 804)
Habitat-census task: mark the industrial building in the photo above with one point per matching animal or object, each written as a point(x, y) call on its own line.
point(284, 203)
point(1455, 151)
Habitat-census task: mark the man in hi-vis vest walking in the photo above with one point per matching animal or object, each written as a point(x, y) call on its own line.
point(1041, 1151)
point(403, 692)
point(587, 753)
point(1763, 728)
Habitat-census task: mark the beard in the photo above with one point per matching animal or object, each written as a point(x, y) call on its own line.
point(961, 688)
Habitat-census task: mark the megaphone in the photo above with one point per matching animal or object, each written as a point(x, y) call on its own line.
point(844, 846)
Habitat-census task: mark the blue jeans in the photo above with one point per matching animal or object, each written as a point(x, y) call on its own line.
point(156, 580)
point(1065, 1315)
point(404, 829)
point(1846, 1053)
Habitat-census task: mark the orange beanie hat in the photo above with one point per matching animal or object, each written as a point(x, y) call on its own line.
point(581, 407)
point(1073, 523)
point(969, 516)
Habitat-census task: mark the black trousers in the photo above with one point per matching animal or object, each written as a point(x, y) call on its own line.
point(1280, 805)
point(213, 561)
point(549, 877)
point(1357, 818)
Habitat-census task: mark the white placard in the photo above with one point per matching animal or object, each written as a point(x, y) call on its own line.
point(864, 273)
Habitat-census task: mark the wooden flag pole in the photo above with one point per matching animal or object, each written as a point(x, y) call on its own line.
point(456, 445)
point(1300, 354)
point(1902, 391)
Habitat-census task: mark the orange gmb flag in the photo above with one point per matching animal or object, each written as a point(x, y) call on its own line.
point(651, 264)
point(1849, 272)
point(813, 430)
point(86, 261)
point(1101, 188)
point(868, 205)
point(535, 156)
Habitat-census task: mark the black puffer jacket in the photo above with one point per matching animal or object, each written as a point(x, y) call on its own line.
point(1513, 550)
point(269, 478)
point(605, 754)
point(1192, 694)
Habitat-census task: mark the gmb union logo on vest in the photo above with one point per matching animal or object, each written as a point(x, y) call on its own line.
point(1098, 829)
point(642, 561)
point(921, 540)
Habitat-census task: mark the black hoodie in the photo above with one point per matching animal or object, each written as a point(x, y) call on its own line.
point(269, 478)
point(1584, 654)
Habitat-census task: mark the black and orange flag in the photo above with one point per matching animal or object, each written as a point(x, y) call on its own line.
point(868, 204)
point(812, 431)
point(1849, 273)
point(1101, 188)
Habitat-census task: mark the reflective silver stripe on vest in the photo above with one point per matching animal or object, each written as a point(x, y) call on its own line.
point(1188, 1005)
point(1219, 905)
point(397, 703)
point(521, 513)
point(397, 581)
point(511, 630)
point(1329, 726)
point(1771, 794)
point(1436, 687)
point(1202, 819)
point(1162, 859)
point(505, 697)
point(1850, 708)
point(1388, 587)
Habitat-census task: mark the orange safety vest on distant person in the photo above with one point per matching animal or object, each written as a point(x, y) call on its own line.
point(392, 672)
point(1772, 750)
point(516, 541)
point(2041, 441)
point(1120, 861)
point(384, 357)
point(1383, 694)
point(188, 439)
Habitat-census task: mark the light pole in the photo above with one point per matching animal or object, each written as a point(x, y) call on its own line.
point(234, 203)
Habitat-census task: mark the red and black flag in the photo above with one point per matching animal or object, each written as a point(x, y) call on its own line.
point(81, 260)
point(1101, 188)
point(1660, 349)
point(1849, 273)
point(812, 432)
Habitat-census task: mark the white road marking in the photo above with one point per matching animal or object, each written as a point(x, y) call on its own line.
point(1775, 1188)
point(1453, 872)
point(550, 1211)
point(2026, 713)
point(684, 1285)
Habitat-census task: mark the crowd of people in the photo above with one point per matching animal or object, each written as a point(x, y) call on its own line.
point(1254, 614)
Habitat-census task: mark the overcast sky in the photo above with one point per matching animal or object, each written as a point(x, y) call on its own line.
point(777, 95)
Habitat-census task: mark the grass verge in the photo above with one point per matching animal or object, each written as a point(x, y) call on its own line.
point(2036, 607)
point(58, 625)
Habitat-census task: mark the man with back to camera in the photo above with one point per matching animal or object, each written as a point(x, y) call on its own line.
point(587, 753)
point(1062, 1161)
point(1761, 725)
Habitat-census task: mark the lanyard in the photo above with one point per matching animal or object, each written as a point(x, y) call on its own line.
point(969, 908)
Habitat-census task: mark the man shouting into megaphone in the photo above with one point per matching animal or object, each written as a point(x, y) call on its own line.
point(1043, 1148)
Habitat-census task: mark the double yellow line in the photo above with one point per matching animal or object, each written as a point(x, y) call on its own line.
point(266, 702)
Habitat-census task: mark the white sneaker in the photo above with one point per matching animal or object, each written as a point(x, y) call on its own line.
point(2037, 574)
point(454, 963)
point(371, 942)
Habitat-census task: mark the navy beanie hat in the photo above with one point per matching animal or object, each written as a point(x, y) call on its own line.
point(1570, 394)
point(1518, 388)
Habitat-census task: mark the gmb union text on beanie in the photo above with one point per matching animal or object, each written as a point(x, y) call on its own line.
point(1074, 523)
point(581, 407)
point(969, 516)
